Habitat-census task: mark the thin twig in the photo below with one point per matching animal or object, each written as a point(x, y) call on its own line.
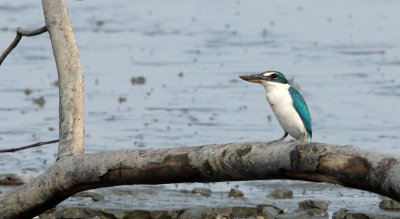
point(28, 146)
point(21, 32)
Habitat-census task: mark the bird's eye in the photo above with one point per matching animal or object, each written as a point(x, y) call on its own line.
point(274, 76)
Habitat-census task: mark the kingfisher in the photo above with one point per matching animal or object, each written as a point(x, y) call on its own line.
point(287, 104)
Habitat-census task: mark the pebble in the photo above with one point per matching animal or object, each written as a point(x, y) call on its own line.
point(346, 214)
point(39, 101)
point(27, 91)
point(90, 193)
point(309, 204)
point(389, 205)
point(281, 194)
point(121, 99)
point(202, 191)
point(138, 80)
point(235, 193)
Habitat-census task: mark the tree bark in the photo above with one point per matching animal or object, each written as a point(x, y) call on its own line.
point(70, 78)
point(317, 162)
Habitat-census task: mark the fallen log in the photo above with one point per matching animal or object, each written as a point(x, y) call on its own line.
point(317, 162)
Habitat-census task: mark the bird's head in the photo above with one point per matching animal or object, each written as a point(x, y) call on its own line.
point(266, 78)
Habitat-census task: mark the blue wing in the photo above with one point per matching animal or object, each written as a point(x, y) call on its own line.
point(301, 107)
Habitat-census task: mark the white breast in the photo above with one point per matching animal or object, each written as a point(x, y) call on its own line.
point(281, 103)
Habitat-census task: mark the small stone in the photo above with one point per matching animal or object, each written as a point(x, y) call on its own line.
point(39, 101)
point(269, 211)
point(346, 214)
point(159, 214)
point(27, 91)
point(235, 193)
point(341, 214)
point(121, 99)
point(180, 74)
point(309, 204)
point(389, 205)
point(281, 194)
point(51, 129)
point(13, 179)
point(202, 191)
point(140, 80)
point(296, 215)
point(315, 212)
point(243, 211)
point(138, 214)
point(223, 212)
point(92, 194)
point(196, 213)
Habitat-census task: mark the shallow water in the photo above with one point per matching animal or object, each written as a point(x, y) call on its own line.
point(344, 58)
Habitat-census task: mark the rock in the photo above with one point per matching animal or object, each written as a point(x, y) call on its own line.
point(90, 193)
point(202, 191)
point(138, 214)
point(317, 213)
point(222, 212)
point(27, 91)
point(269, 211)
point(389, 205)
point(243, 211)
point(346, 214)
point(309, 204)
point(295, 215)
point(162, 214)
point(341, 214)
point(281, 194)
point(76, 212)
point(13, 179)
point(235, 193)
point(122, 99)
point(197, 213)
point(138, 80)
point(39, 101)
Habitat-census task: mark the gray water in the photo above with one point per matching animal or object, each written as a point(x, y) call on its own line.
point(344, 57)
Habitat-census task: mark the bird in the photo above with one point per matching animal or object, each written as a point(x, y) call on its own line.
point(286, 102)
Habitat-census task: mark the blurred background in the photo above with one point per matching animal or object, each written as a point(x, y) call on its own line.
point(165, 74)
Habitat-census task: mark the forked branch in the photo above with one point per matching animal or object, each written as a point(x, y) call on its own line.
point(20, 33)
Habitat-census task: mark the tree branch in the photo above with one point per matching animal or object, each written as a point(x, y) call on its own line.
point(70, 78)
point(21, 32)
point(317, 162)
point(28, 146)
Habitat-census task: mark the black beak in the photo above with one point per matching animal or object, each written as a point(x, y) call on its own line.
point(256, 78)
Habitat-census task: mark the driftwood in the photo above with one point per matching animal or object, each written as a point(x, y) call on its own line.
point(74, 172)
point(347, 166)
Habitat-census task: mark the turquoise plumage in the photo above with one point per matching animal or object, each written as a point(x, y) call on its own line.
point(301, 108)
